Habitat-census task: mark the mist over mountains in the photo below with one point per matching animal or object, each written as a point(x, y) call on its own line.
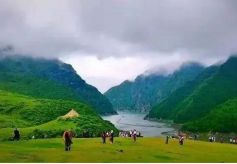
point(149, 89)
point(49, 78)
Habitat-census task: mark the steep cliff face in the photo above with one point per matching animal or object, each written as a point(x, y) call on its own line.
point(145, 91)
point(35, 76)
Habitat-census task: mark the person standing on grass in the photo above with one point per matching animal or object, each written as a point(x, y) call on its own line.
point(167, 140)
point(67, 136)
point(16, 135)
point(195, 137)
point(130, 133)
point(103, 136)
point(181, 140)
point(112, 136)
point(134, 135)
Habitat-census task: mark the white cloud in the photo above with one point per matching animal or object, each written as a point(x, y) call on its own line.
point(107, 72)
point(116, 37)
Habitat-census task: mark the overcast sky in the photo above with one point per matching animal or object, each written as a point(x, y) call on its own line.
point(109, 41)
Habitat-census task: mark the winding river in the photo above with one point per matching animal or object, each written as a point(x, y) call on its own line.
point(129, 121)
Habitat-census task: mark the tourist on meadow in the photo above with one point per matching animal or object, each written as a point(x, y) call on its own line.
point(167, 140)
point(111, 136)
point(210, 139)
point(67, 136)
point(181, 140)
point(103, 136)
point(130, 133)
point(195, 137)
point(134, 135)
point(16, 135)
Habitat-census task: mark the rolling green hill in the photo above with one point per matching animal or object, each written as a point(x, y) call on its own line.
point(43, 115)
point(146, 91)
point(221, 119)
point(200, 98)
point(167, 109)
point(50, 79)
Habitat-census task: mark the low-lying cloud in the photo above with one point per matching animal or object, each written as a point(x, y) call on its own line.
point(156, 31)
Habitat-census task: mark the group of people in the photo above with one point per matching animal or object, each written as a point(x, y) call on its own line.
point(233, 140)
point(212, 139)
point(129, 133)
point(180, 137)
point(110, 134)
point(132, 133)
point(67, 137)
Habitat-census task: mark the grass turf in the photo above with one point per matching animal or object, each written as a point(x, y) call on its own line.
point(123, 150)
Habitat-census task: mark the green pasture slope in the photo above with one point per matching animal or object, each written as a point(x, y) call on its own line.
point(41, 117)
point(123, 150)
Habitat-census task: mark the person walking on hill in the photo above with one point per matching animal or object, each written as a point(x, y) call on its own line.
point(16, 135)
point(67, 136)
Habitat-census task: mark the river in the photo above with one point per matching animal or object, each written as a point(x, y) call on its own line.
point(129, 121)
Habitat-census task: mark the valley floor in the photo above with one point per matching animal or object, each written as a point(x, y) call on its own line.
point(123, 150)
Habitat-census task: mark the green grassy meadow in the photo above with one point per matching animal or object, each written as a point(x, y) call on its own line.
point(123, 150)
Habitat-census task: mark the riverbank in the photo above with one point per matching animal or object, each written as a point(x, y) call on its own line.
point(129, 120)
point(123, 150)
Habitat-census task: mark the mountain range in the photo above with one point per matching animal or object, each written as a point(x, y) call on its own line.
point(148, 90)
point(51, 79)
point(206, 103)
point(36, 92)
point(199, 98)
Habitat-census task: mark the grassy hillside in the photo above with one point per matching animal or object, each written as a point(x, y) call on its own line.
point(35, 86)
point(12, 121)
point(199, 99)
point(50, 79)
point(54, 129)
point(167, 109)
point(210, 93)
point(123, 150)
point(26, 112)
point(147, 90)
point(222, 119)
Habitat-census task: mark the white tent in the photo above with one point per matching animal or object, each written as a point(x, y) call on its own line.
point(71, 114)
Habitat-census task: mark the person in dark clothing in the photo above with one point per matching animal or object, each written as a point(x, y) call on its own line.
point(181, 140)
point(195, 137)
point(112, 136)
point(103, 136)
point(16, 135)
point(67, 136)
point(167, 140)
point(210, 139)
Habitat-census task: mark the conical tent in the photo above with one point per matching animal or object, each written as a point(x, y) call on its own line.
point(71, 114)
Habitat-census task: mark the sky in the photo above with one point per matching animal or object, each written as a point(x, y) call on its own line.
point(109, 41)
